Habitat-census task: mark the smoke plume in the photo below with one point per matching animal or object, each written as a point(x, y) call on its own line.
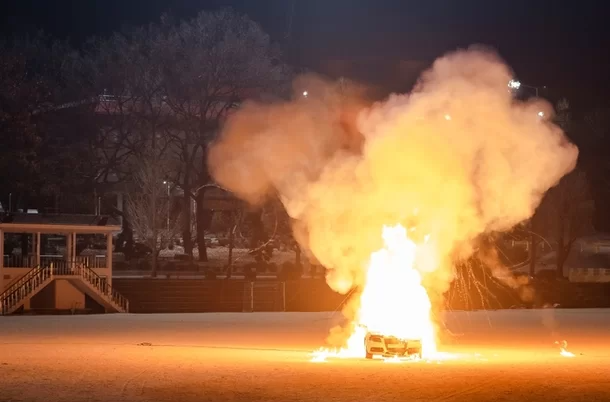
point(455, 158)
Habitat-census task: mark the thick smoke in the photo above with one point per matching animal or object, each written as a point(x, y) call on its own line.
point(457, 157)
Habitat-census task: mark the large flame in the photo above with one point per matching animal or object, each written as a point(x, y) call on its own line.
point(393, 300)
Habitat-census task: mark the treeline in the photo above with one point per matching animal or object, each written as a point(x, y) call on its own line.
point(137, 109)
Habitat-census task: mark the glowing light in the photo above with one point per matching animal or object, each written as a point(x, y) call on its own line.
point(305, 94)
point(541, 114)
point(447, 117)
point(393, 301)
point(514, 84)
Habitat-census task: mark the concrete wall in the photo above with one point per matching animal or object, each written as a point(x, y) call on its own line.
point(67, 296)
point(11, 275)
point(197, 295)
point(45, 299)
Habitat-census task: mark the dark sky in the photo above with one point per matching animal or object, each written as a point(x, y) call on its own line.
point(559, 44)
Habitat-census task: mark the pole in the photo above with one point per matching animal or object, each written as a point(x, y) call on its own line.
point(1, 262)
point(251, 296)
point(168, 205)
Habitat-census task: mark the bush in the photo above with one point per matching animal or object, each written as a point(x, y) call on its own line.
point(250, 271)
point(144, 265)
point(548, 275)
point(211, 274)
point(120, 266)
point(261, 268)
point(170, 266)
point(290, 271)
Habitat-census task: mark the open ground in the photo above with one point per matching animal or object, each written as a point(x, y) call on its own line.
point(500, 356)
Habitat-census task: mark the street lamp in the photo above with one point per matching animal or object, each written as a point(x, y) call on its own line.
point(516, 85)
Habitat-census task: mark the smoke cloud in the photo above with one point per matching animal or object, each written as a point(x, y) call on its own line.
point(455, 158)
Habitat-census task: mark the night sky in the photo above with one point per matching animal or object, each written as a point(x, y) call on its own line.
point(561, 45)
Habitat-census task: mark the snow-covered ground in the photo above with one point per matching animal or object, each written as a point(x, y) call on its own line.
point(220, 255)
point(502, 356)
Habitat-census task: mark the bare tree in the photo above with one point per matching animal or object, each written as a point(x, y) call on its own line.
point(214, 62)
point(125, 76)
point(38, 101)
point(149, 207)
point(595, 149)
point(566, 214)
point(169, 87)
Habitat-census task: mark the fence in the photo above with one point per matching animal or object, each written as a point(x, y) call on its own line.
point(147, 295)
point(264, 296)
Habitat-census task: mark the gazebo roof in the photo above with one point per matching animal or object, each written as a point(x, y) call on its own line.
point(58, 223)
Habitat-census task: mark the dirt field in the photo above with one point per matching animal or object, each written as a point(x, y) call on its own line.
point(499, 356)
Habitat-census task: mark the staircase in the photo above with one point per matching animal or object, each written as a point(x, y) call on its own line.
point(83, 278)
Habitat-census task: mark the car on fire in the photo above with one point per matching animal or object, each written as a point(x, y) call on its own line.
point(391, 346)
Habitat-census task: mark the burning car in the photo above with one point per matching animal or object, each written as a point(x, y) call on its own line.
point(391, 346)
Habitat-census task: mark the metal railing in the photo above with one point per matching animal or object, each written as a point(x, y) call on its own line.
point(92, 261)
point(27, 261)
point(100, 284)
point(19, 261)
point(19, 290)
point(22, 288)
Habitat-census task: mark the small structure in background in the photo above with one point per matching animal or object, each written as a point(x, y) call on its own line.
point(40, 268)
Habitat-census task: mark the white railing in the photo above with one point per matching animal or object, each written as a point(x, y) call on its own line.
point(92, 261)
point(101, 285)
point(19, 261)
point(28, 261)
point(12, 297)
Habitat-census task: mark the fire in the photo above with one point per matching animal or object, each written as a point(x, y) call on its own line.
point(393, 301)
point(563, 349)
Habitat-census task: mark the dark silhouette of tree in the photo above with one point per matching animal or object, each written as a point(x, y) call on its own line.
point(565, 214)
point(214, 62)
point(170, 87)
point(41, 121)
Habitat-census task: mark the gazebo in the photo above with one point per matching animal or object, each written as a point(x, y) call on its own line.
point(46, 272)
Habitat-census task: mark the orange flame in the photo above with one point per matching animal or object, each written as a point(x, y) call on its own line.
point(563, 349)
point(393, 300)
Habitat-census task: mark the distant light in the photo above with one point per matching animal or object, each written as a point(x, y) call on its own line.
point(447, 117)
point(514, 84)
point(540, 114)
point(164, 181)
point(305, 93)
